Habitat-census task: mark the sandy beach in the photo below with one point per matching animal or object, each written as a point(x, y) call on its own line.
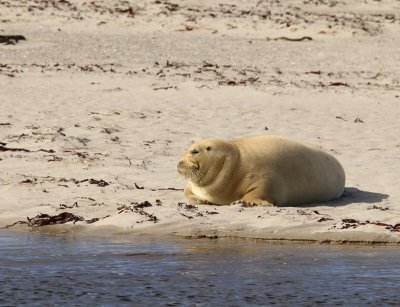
point(99, 100)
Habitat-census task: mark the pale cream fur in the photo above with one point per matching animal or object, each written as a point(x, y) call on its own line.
point(260, 170)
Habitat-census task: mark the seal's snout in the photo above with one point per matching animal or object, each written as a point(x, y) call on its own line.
point(181, 166)
point(186, 166)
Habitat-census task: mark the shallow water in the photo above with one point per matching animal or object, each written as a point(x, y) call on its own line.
point(42, 269)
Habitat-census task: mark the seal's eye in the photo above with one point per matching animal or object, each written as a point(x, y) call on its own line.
point(208, 148)
point(194, 152)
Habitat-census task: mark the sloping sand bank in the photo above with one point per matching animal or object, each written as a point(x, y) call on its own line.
point(102, 97)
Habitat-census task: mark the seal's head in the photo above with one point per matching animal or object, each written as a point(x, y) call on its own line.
point(203, 161)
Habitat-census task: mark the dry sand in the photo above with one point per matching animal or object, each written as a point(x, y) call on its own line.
point(101, 99)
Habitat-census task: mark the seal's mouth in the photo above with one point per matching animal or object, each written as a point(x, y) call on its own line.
point(190, 170)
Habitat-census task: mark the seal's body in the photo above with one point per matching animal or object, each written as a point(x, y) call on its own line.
point(260, 170)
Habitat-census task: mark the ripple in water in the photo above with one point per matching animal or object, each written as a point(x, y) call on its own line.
point(43, 270)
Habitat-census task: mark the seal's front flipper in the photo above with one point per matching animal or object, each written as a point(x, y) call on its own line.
point(193, 199)
point(253, 203)
point(190, 197)
point(257, 196)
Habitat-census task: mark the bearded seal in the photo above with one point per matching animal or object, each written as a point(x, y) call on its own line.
point(259, 170)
